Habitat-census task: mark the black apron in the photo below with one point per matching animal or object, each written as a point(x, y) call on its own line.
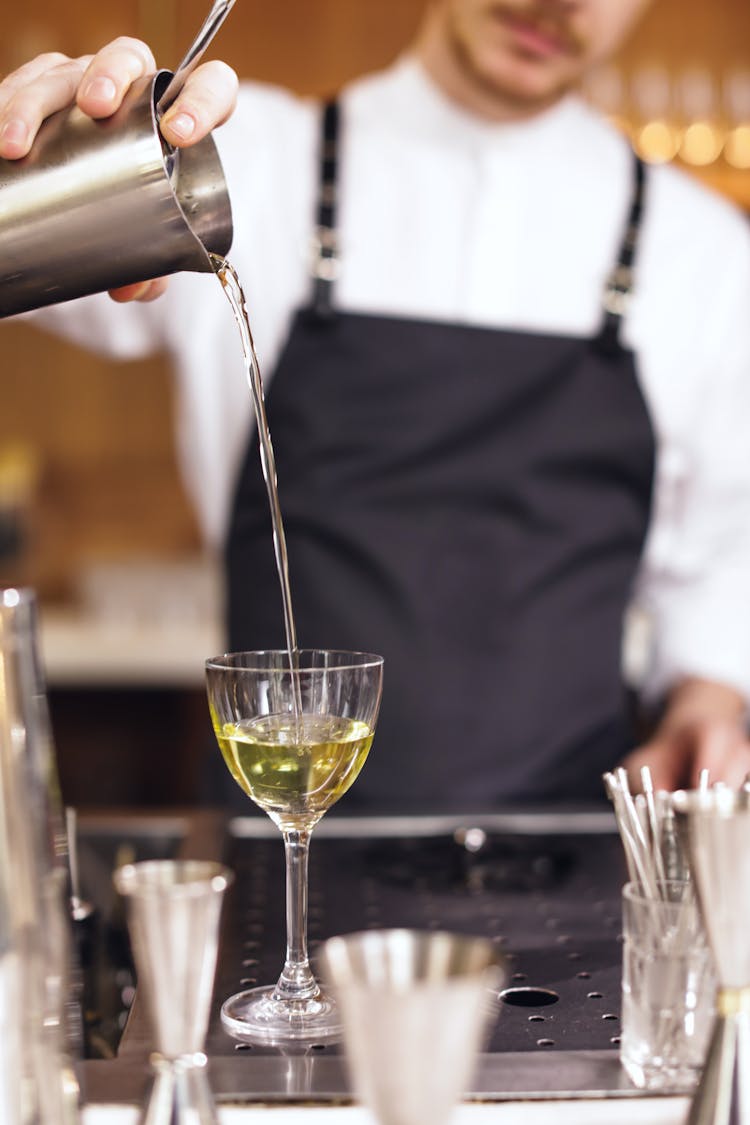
point(472, 504)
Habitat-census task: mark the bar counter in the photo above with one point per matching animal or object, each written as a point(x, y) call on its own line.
point(648, 1111)
point(544, 884)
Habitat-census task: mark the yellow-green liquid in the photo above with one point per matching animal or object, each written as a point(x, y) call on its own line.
point(294, 768)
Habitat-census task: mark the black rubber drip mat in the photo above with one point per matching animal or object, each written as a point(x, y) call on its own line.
point(550, 902)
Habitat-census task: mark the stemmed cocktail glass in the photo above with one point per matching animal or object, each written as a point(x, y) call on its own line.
point(294, 736)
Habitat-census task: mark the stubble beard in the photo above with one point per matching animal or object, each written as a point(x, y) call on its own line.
point(503, 88)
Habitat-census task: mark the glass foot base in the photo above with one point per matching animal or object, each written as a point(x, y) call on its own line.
point(255, 1017)
point(670, 1078)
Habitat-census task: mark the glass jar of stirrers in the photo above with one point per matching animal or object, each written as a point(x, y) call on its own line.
point(668, 976)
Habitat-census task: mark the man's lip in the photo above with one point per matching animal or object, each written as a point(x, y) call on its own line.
point(537, 37)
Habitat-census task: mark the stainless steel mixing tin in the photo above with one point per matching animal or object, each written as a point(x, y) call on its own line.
point(100, 204)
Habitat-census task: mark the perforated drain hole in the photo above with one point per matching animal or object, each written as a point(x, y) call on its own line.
point(545, 1042)
point(536, 1019)
point(243, 1047)
point(527, 997)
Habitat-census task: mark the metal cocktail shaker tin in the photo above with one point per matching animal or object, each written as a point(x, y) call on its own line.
point(100, 204)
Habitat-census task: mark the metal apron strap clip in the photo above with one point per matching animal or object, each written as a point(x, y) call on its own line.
point(619, 284)
point(324, 242)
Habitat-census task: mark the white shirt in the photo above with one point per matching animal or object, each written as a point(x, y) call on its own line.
point(516, 225)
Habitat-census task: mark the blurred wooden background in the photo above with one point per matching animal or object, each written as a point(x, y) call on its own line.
point(96, 438)
point(91, 442)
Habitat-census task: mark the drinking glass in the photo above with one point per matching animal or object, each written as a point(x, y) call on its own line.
point(294, 734)
point(668, 987)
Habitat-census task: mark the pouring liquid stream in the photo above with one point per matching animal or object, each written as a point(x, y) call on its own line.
point(232, 288)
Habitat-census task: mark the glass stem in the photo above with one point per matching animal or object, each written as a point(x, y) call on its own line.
point(296, 981)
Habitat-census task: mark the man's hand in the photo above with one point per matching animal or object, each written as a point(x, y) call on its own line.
point(702, 729)
point(98, 83)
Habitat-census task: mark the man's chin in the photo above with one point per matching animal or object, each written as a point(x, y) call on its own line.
point(503, 81)
point(523, 89)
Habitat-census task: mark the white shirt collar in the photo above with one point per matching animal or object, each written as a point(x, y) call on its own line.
point(411, 101)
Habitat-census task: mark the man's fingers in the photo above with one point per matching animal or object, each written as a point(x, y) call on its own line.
point(110, 74)
point(723, 749)
point(98, 84)
point(28, 73)
point(140, 291)
point(27, 99)
point(206, 100)
point(52, 81)
point(665, 763)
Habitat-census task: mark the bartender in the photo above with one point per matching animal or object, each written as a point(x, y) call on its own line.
point(508, 373)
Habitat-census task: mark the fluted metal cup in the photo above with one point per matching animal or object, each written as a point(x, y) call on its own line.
point(173, 911)
point(716, 826)
point(415, 1008)
point(100, 204)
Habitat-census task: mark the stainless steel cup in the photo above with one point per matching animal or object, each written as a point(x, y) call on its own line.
point(100, 204)
point(416, 1008)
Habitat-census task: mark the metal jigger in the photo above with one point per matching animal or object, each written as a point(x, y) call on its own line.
point(415, 1009)
point(173, 918)
point(716, 826)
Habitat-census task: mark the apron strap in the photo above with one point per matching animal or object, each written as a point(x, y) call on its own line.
point(619, 284)
point(325, 261)
point(325, 256)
